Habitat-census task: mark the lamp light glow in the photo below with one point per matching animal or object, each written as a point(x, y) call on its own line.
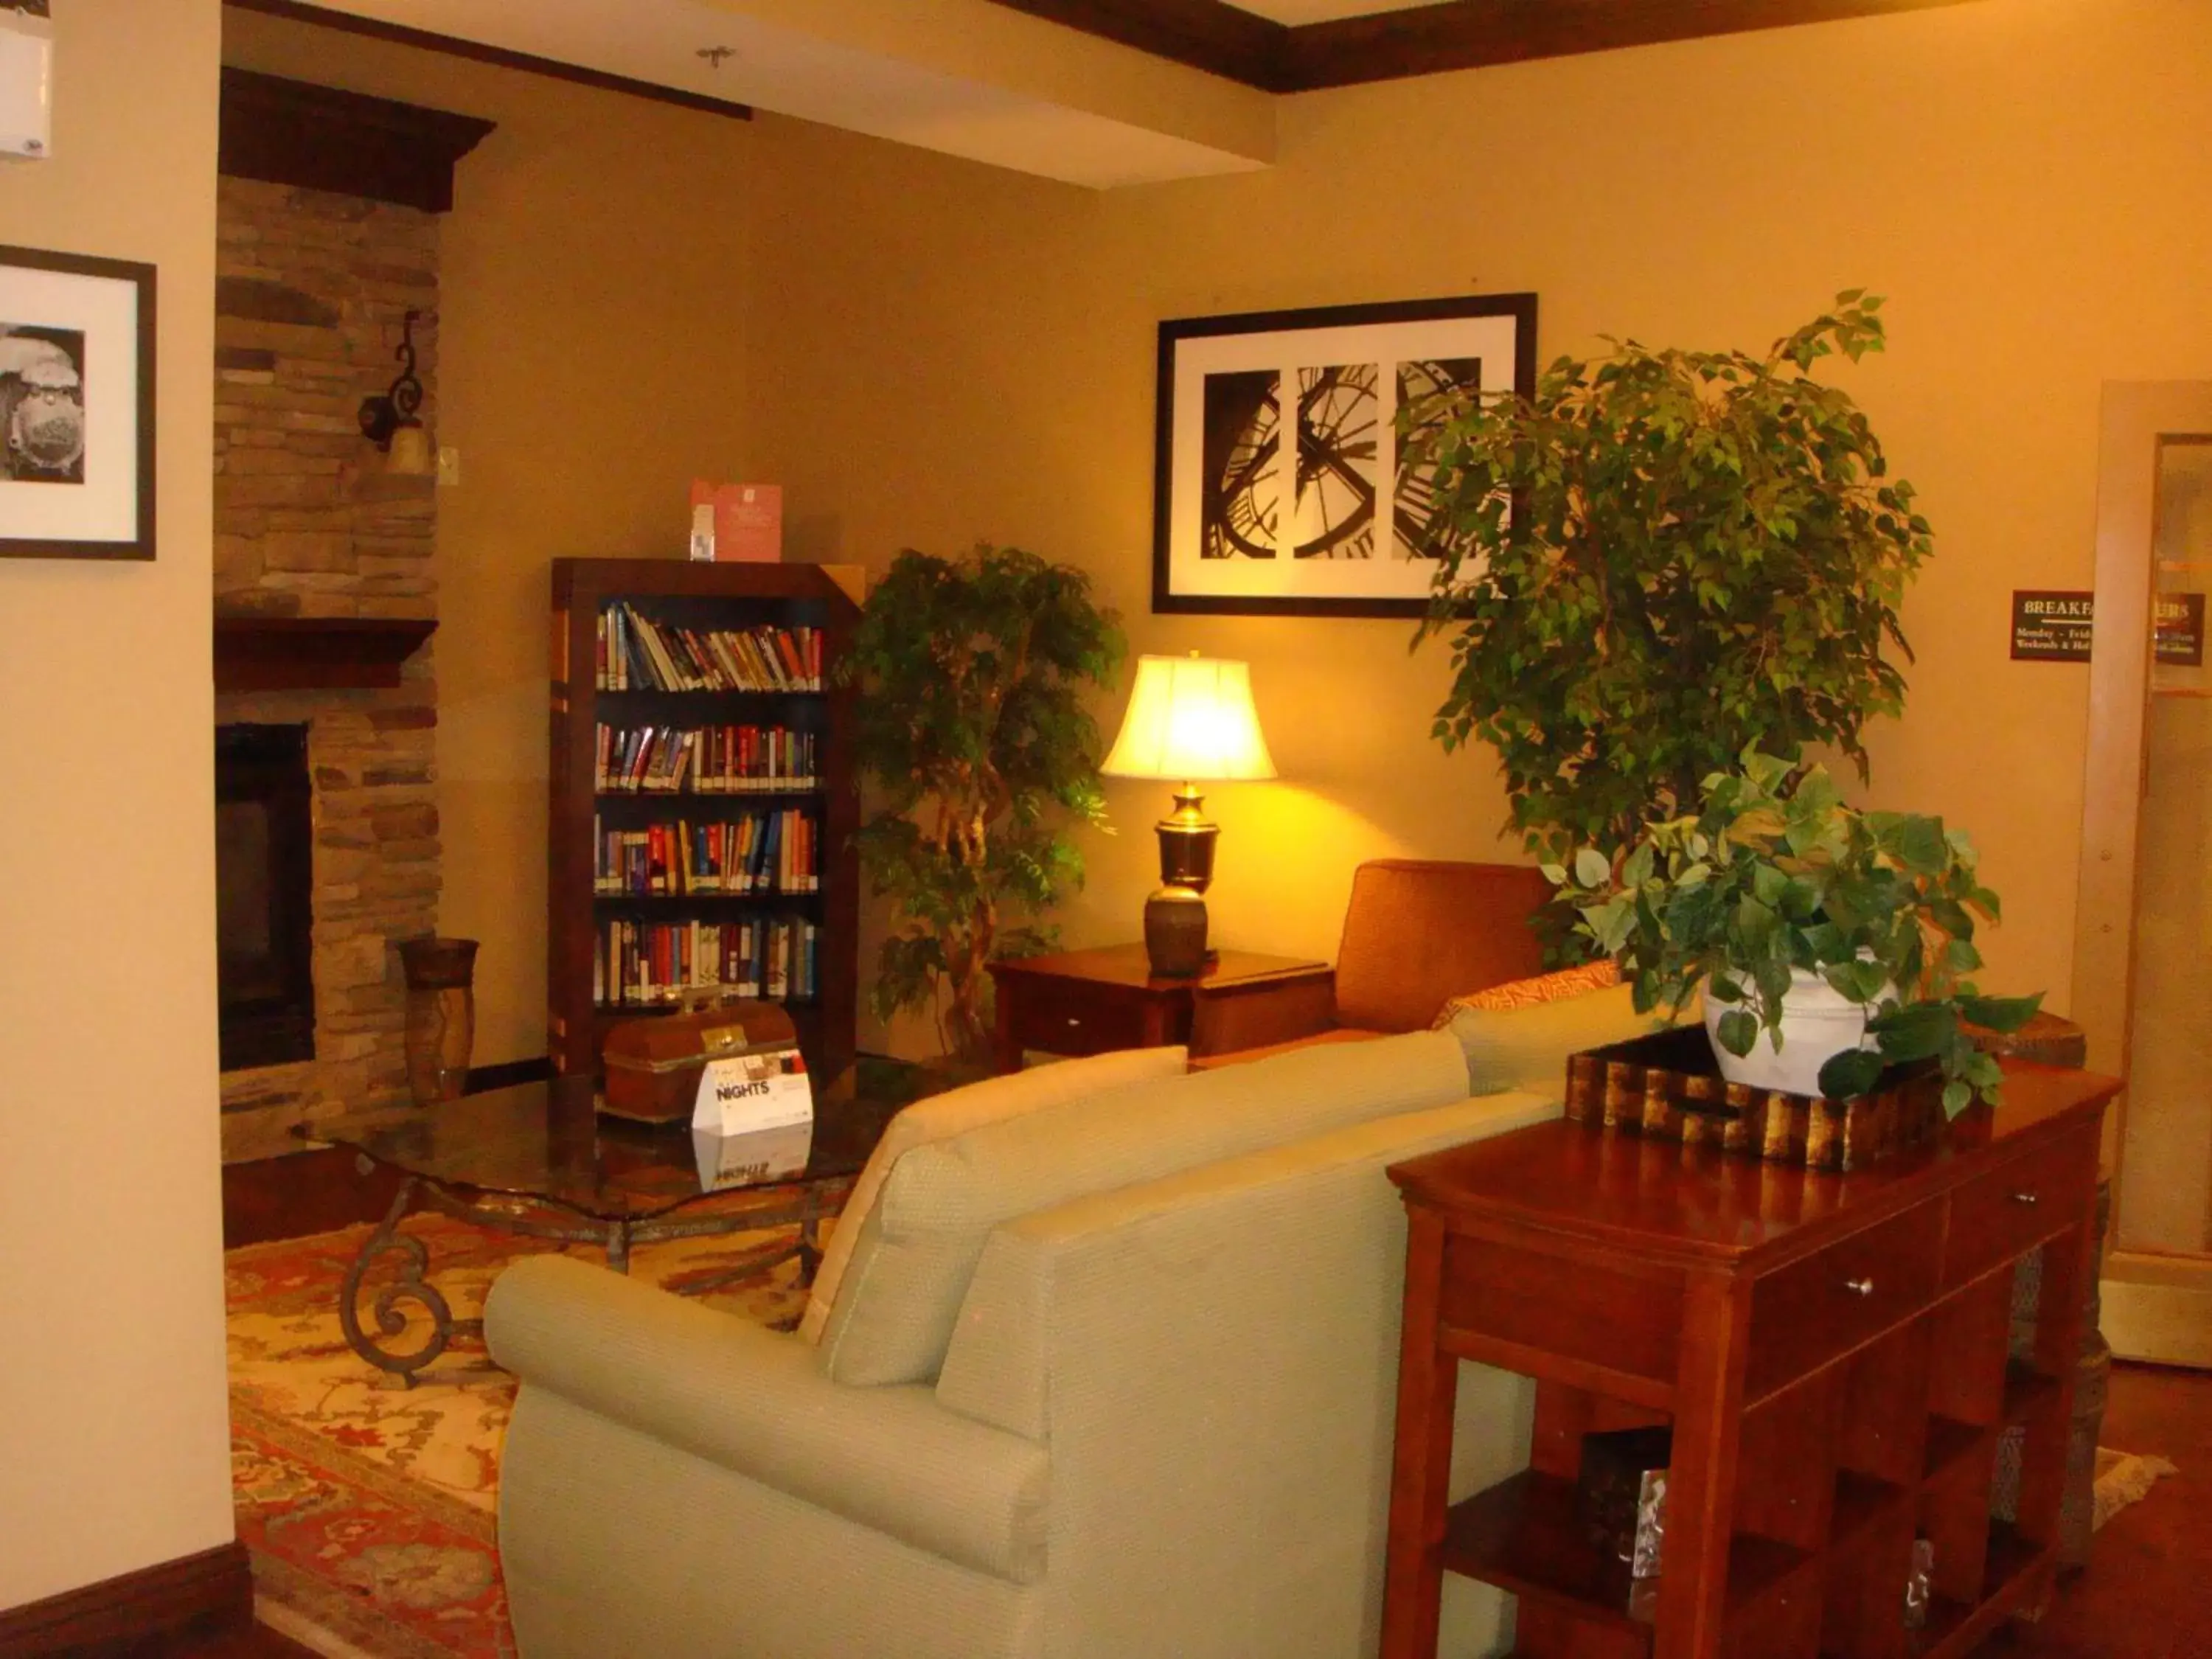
point(1190, 718)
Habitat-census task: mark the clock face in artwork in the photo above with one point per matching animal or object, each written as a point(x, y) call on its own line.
point(1429, 392)
point(1242, 466)
point(1338, 416)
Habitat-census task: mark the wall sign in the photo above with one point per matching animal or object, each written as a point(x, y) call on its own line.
point(2178, 641)
point(2054, 625)
point(2051, 625)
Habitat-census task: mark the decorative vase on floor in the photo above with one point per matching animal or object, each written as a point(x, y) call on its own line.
point(1817, 1023)
point(441, 1016)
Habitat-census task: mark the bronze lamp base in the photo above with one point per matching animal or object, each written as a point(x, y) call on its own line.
point(1175, 932)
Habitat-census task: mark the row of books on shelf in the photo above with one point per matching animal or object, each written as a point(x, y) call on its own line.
point(638, 963)
point(636, 654)
point(705, 759)
point(776, 852)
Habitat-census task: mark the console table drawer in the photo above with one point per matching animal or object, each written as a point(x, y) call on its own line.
point(1807, 1312)
point(1060, 1017)
point(1995, 1217)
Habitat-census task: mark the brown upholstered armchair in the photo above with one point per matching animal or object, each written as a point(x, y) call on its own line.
point(1416, 933)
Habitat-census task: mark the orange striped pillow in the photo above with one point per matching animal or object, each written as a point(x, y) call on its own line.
point(1528, 992)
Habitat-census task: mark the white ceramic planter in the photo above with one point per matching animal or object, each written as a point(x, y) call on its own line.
point(1817, 1023)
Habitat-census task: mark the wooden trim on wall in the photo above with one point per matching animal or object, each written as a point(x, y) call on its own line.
point(295, 132)
point(1204, 35)
point(477, 52)
point(1458, 34)
point(208, 1593)
point(2137, 417)
point(1464, 34)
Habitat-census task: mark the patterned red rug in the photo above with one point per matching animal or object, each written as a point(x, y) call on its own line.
point(369, 1509)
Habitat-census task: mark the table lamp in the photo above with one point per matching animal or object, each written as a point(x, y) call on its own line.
point(1189, 719)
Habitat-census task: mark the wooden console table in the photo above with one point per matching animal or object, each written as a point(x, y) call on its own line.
point(1831, 1350)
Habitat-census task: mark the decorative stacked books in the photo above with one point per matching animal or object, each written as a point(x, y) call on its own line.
point(1667, 1086)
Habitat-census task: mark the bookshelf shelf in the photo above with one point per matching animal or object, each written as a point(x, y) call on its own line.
point(626, 759)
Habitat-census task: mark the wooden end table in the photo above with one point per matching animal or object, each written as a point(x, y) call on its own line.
point(1090, 1002)
point(1831, 1351)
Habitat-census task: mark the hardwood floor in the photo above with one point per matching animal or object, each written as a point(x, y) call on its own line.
point(304, 1192)
point(258, 1643)
point(2144, 1594)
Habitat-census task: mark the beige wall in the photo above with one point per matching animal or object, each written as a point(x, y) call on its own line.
point(593, 312)
point(927, 351)
point(114, 1442)
point(2014, 177)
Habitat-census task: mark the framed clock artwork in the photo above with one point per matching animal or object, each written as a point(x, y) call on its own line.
point(1277, 486)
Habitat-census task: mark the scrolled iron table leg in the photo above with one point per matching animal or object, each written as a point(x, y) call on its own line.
point(412, 1285)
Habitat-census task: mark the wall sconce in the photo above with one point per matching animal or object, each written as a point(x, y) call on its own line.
point(389, 421)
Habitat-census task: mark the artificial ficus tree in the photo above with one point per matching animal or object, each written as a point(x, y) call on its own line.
point(1659, 559)
point(970, 729)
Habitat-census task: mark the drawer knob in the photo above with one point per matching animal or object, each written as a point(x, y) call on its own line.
point(1072, 1020)
point(1859, 1286)
point(2025, 1198)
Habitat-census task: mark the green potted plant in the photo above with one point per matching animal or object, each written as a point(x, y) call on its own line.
point(971, 729)
point(1659, 559)
point(1830, 942)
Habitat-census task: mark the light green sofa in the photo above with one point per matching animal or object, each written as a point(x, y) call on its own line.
point(1111, 1379)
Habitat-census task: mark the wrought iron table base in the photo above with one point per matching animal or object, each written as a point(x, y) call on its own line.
point(805, 1210)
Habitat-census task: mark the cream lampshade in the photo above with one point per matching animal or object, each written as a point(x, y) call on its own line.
point(1189, 719)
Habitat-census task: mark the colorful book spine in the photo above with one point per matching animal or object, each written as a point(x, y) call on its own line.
point(638, 651)
point(650, 963)
point(706, 760)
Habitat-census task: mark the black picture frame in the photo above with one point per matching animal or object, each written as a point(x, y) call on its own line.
point(1219, 524)
point(76, 406)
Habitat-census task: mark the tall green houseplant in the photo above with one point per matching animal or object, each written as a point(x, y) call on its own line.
point(971, 730)
point(1659, 559)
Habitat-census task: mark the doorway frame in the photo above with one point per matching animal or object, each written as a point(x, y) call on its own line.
point(2156, 1306)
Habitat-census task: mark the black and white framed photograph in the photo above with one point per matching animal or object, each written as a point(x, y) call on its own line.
point(1279, 486)
point(76, 406)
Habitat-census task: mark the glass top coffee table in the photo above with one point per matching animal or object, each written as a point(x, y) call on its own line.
point(539, 1161)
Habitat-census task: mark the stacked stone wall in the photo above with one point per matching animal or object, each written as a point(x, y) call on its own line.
point(311, 289)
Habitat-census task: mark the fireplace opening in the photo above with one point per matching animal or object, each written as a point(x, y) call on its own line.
point(263, 883)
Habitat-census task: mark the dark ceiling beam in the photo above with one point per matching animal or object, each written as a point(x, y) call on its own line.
point(1459, 34)
point(454, 46)
point(1463, 35)
point(291, 132)
point(1206, 34)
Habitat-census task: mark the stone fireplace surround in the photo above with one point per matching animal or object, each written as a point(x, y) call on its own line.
point(312, 286)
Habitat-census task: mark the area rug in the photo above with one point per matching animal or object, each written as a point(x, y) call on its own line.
point(369, 1508)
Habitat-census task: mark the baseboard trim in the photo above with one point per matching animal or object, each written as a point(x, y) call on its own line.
point(209, 1593)
point(508, 1073)
point(2167, 1324)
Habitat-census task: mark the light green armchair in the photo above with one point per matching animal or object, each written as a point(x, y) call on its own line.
point(1127, 1381)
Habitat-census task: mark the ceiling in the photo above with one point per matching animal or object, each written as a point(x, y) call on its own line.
point(1099, 92)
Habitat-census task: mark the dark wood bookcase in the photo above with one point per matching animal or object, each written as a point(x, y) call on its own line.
point(680, 594)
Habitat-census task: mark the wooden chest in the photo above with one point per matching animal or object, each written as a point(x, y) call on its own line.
point(652, 1064)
